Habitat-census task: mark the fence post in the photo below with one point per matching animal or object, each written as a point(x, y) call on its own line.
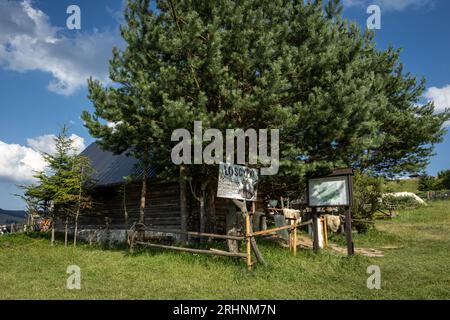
point(248, 241)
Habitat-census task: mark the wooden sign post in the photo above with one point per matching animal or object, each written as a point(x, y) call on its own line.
point(240, 184)
point(315, 218)
point(334, 190)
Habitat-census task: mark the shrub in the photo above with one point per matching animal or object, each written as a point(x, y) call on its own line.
point(402, 202)
point(367, 193)
point(444, 179)
point(428, 183)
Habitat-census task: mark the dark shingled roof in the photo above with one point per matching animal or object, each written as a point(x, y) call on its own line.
point(110, 169)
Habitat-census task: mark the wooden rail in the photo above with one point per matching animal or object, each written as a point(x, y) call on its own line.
point(198, 234)
point(212, 252)
point(268, 231)
point(249, 237)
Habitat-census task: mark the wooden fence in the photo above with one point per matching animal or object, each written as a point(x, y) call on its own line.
point(13, 228)
point(436, 195)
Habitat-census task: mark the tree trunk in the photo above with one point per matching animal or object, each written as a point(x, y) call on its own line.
point(143, 195)
point(232, 228)
point(76, 227)
point(125, 211)
point(203, 206)
point(243, 207)
point(183, 203)
point(212, 211)
point(65, 232)
point(80, 191)
point(202, 213)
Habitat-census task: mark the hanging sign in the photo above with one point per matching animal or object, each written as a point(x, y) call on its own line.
point(237, 182)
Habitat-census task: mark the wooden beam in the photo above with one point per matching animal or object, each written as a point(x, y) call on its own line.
point(191, 250)
point(268, 231)
point(248, 236)
point(348, 232)
point(315, 218)
point(198, 234)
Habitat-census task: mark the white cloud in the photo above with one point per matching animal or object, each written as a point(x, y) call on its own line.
point(18, 164)
point(28, 41)
point(46, 143)
point(390, 5)
point(440, 97)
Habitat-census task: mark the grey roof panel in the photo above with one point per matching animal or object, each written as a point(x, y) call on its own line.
point(111, 169)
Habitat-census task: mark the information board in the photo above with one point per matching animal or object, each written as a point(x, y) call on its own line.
point(329, 192)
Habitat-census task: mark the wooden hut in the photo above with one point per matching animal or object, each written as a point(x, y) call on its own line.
point(162, 201)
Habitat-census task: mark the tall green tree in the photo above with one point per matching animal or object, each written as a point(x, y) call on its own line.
point(292, 65)
point(62, 190)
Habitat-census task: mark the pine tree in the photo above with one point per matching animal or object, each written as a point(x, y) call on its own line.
point(279, 64)
point(62, 191)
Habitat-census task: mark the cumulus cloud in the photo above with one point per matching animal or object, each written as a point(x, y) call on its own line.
point(390, 5)
point(18, 164)
point(28, 41)
point(46, 143)
point(440, 97)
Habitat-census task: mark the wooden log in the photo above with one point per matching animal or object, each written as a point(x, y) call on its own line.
point(323, 221)
point(269, 231)
point(249, 233)
point(232, 228)
point(248, 242)
point(191, 250)
point(315, 230)
point(305, 223)
point(348, 232)
point(295, 238)
point(198, 234)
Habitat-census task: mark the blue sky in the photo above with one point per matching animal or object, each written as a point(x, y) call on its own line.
point(44, 66)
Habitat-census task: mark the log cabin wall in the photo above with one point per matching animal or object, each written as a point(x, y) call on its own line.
point(162, 207)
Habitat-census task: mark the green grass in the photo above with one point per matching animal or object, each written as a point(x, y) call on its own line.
point(416, 266)
point(407, 185)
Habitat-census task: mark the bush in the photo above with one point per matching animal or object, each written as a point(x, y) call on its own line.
point(402, 202)
point(444, 179)
point(428, 183)
point(367, 194)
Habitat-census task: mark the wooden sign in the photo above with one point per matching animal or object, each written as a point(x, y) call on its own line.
point(237, 182)
point(334, 190)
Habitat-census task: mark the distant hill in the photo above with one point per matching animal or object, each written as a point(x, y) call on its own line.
point(12, 216)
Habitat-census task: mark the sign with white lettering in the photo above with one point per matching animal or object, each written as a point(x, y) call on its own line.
point(237, 182)
point(329, 192)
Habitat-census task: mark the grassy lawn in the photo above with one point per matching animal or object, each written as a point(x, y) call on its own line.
point(407, 185)
point(416, 265)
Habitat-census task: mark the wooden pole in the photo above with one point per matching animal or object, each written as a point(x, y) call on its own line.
point(323, 221)
point(295, 238)
point(268, 231)
point(290, 238)
point(197, 234)
point(348, 232)
point(191, 250)
point(183, 204)
point(248, 241)
point(316, 246)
